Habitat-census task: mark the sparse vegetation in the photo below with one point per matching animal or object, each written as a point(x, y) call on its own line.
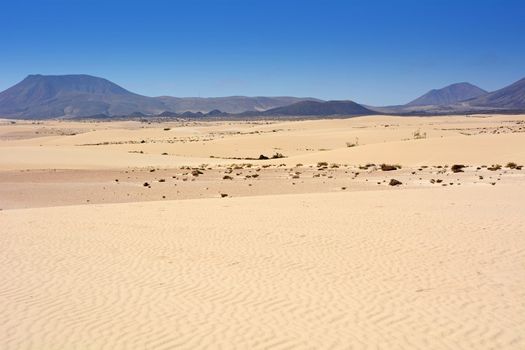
point(353, 144)
point(419, 135)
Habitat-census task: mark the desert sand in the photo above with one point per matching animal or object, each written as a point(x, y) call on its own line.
point(121, 235)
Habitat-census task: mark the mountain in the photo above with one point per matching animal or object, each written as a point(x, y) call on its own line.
point(48, 96)
point(232, 104)
point(509, 97)
point(448, 95)
point(40, 96)
point(315, 108)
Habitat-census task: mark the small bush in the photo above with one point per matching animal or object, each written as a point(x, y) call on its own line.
point(419, 135)
point(494, 167)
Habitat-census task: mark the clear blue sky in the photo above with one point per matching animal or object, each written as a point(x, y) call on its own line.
point(373, 52)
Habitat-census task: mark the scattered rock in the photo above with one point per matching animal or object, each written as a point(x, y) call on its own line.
point(394, 182)
point(388, 167)
point(457, 168)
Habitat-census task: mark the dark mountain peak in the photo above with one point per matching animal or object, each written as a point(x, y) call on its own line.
point(306, 108)
point(448, 95)
point(215, 112)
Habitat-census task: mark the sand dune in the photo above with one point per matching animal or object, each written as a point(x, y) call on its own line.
point(478, 149)
point(369, 269)
point(388, 139)
point(297, 256)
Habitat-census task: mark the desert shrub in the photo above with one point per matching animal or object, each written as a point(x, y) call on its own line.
point(419, 135)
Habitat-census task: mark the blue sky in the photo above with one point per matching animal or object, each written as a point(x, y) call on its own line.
point(372, 52)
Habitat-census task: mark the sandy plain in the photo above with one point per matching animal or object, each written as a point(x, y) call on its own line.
point(175, 235)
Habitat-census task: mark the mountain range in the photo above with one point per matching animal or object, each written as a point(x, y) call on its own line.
point(48, 96)
point(65, 96)
point(463, 98)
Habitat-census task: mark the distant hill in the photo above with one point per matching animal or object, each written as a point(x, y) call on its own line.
point(48, 96)
point(314, 108)
point(448, 95)
point(41, 96)
point(509, 97)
